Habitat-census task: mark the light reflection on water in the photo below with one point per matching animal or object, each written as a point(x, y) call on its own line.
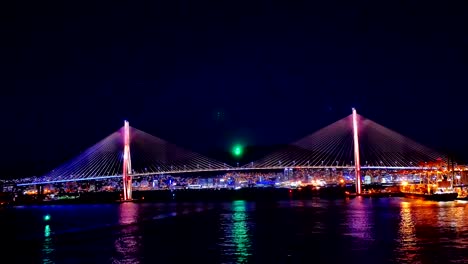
point(236, 237)
point(407, 242)
point(47, 246)
point(431, 231)
point(359, 220)
point(363, 230)
point(129, 241)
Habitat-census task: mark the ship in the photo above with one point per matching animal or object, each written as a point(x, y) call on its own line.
point(440, 191)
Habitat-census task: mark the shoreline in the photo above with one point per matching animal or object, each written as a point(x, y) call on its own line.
point(203, 195)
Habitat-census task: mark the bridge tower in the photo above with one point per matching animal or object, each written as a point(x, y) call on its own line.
point(357, 162)
point(127, 165)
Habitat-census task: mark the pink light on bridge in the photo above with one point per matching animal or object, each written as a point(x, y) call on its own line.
point(127, 165)
point(357, 162)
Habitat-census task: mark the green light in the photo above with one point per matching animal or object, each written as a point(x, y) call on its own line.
point(237, 150)
point(240, 231)
point(46, 217)
point(47, 231)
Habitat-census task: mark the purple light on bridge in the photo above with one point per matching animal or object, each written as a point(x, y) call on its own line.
point(356, 152)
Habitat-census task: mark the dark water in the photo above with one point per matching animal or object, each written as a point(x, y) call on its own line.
point(390, 230)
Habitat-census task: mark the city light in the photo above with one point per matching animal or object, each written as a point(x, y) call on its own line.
point(47, 217)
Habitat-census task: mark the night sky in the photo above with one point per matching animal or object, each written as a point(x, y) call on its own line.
point(205, 74)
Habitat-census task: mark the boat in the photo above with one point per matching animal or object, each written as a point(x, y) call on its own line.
point(436, 196)
point(440, 191)
point(373, 194)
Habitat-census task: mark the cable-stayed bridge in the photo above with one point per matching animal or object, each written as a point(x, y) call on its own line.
point(352, 142)
point(333, 147)
point(148, 154)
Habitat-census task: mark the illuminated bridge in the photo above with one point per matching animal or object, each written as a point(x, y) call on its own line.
point(352, 142)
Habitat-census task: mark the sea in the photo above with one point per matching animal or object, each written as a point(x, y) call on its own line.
point(359, 230)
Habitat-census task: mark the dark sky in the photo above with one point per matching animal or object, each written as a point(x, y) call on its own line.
point(72, 71)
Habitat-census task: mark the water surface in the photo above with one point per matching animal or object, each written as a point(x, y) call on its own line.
point(388, 230)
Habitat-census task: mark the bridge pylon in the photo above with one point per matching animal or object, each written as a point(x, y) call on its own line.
point(127, 165)
point(357, 162)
